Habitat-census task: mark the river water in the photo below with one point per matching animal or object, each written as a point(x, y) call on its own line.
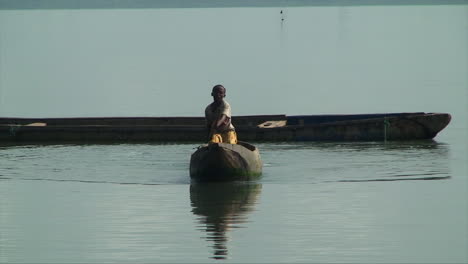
point(353, 202)
point(315, 202)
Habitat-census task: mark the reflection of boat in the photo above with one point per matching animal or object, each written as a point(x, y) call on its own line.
point(363, 127)
point(223, 162)
point(221, 207)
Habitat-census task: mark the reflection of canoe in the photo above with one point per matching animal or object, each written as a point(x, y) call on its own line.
point(222, 207)
point(364, 127)
point(224, 162)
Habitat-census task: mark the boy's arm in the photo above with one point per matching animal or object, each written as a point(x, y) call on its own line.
point(221, 121)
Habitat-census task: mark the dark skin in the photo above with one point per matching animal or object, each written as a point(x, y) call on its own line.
point(218, 94)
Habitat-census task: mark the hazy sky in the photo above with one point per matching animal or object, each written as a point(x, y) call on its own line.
point(163, 62)
point(108, 4)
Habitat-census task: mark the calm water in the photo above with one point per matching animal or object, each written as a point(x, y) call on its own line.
point(316, 202)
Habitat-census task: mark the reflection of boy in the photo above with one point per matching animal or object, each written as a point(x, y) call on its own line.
point(218, 118)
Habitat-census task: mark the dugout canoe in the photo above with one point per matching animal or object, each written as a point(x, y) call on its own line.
point(359, 127)
point(225, 162)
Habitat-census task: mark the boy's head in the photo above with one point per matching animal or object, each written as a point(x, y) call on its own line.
point(218, 93)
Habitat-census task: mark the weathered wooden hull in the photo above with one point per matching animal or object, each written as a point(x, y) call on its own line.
point(353, 128)
point(367, 127)
point(251, 120)
point(225, 162)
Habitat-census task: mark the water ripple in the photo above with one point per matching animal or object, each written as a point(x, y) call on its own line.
point(400, 179)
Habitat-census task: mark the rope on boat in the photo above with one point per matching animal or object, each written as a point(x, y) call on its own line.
point(14, 129)
point(386, 126)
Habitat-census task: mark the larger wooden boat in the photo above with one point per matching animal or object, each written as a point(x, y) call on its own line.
point(225, 162)
point(362, 127)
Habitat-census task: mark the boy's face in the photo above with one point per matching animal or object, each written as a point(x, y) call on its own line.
point(218, 94)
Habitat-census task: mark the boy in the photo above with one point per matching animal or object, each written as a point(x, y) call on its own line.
point(218, 118)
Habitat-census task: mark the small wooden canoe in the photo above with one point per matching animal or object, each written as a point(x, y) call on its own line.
point(225, 162)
